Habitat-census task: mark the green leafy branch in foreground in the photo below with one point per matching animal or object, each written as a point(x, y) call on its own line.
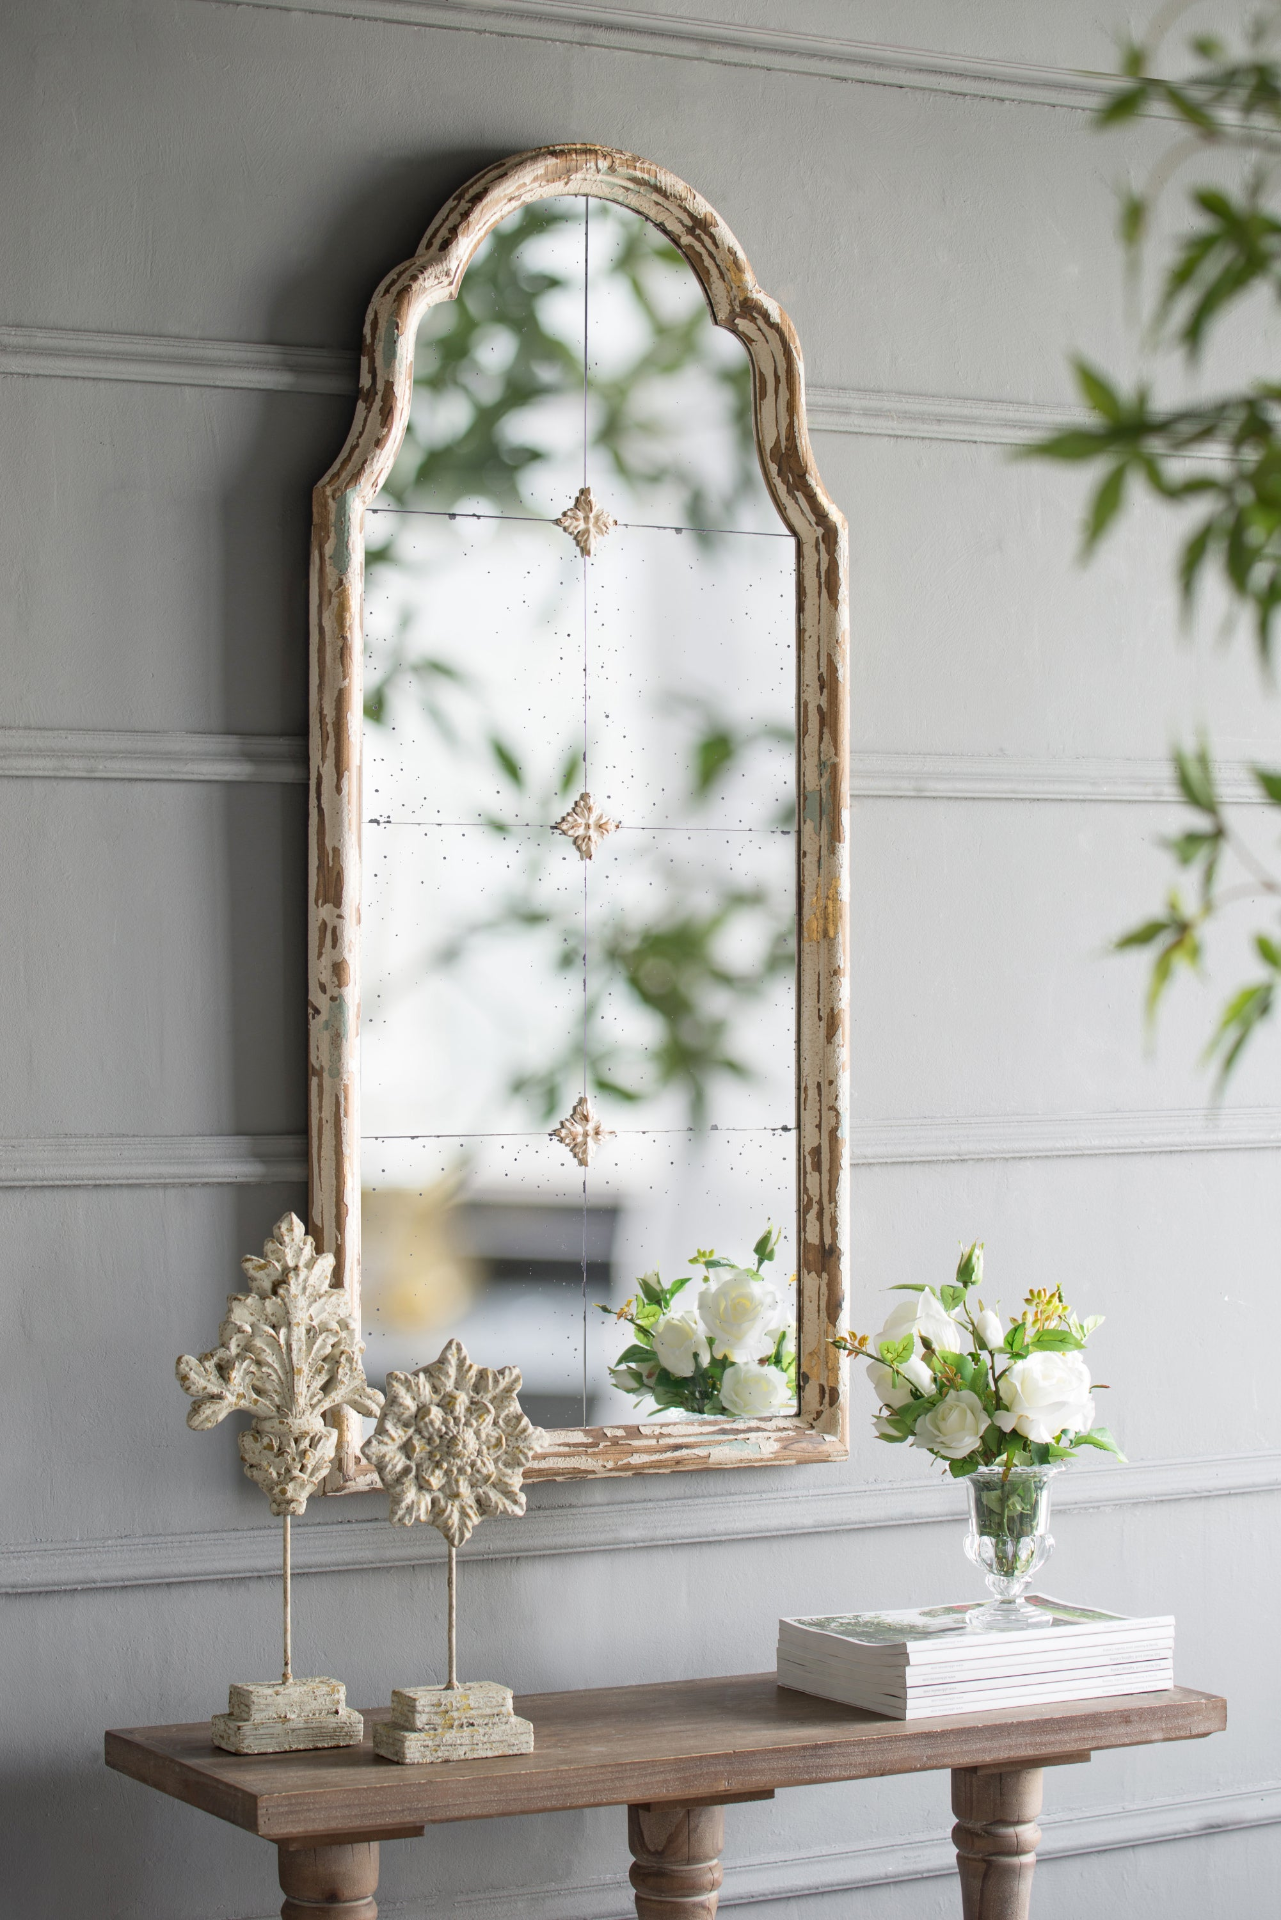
point(1219, 460)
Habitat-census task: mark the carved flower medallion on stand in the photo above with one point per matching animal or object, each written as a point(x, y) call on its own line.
point(585, 825)
point(586, 522)
point(452, 1443)
point(451, 1447)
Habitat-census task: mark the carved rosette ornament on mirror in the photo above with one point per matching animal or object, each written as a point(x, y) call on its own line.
point(289, 1355)
point(451, 1447)
point(586, 522)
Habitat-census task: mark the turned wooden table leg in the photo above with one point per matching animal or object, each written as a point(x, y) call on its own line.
point(996, 1838)
point(677, 1860)
point(336, 1881)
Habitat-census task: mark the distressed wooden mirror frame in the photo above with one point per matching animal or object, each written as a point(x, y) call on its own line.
point(819, 1429)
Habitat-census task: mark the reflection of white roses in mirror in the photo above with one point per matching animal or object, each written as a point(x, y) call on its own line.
point(1046, 1395)
point(954, 1428)
point(752, 1389)
point(742, 1314)
point(680, 1344)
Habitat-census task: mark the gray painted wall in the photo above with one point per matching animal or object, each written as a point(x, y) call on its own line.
point(192, 188)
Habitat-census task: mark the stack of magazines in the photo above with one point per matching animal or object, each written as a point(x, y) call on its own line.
point(916, 1664)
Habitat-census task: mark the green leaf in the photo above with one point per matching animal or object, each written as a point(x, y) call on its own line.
point(1187, 847)
point(960, 1469)
point(1096, 391)
point(1015, 1341)
point(951, 1296)
point(895, 1352)
point(907, 1286)
point(670, 1293)
point(1141, 936)
point(1055, 1340)
point(649, 1315)
point(642, 1356)
point(507, 761)
point(1099, 1437)
point(1104, 507)
point(1268, 951)
point(651, 1289)
point(1196, 779)
point(1270, 782)
point(1243, 1013)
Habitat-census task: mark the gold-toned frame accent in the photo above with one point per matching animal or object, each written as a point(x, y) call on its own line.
point(819, 1430)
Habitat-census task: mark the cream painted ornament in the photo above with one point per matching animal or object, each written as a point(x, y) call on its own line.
point(290, 1353)
point(451, 1447)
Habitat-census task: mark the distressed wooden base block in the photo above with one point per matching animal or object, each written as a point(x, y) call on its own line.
point(286, 1716)
point(470, 1722)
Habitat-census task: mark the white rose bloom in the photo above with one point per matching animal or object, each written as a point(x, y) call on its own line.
point(924, 1313)
point(1046, 1394)
point(742, 1314)
point(954, 1427)
point(755, 1389)
point(988, 1327)
point(680, 1344)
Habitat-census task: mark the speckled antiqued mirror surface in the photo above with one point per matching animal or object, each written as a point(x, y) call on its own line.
point(579, 820)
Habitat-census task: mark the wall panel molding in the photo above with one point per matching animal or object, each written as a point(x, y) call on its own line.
point(156, 1160)
point(587, 23)
point(48, 753)
point(218, 1160)
point(1045, 1136)
point(67, 353)
point(559, 1524)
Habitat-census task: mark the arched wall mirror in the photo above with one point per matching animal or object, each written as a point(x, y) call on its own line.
point(579, 820)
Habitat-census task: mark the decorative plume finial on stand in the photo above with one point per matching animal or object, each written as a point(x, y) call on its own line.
point(451, 1447)
point(290, 1352)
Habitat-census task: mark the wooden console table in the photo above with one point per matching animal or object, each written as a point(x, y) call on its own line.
point(674, 1755)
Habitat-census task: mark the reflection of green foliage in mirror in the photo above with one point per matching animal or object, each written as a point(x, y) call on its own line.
point(483, 365)
point(486, 359)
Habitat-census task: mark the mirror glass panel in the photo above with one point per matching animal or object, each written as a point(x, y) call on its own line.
point(507, 674)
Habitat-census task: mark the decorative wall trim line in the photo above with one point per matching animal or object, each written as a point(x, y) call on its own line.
point(222, 1160)
point(46, 753)
point(51, 754)
point(1043, 1136)
point(998, 776)
point(725, 43)
point(881, 1863)
point(560, 1525)
point(164, 360)
point(156, 1160)
point(934, 416)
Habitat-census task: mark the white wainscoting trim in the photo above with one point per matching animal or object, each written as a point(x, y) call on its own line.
point(559, 1523)
point(934, 416)
point(726, 43)
point(879, 1863)
point(168, 361)
point(47, 753)
point(64, 754)
point(156, 1160)
point(215, 1160)
point(1037, 1136)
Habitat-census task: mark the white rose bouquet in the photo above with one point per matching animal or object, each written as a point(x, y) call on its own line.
point(974, 1393)
point(718, 1343)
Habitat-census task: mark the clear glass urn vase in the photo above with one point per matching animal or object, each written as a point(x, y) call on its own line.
point(1010, 1539)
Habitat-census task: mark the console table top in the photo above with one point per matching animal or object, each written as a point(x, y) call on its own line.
point(611, 1746)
